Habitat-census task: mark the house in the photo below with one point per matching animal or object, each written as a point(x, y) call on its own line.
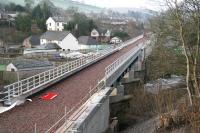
point(12, 14)
point(32, 41)
point(87, 42)
point(101, 35)
point(5, 15)
point(28, 65)
point(64, 39)
point(56, 23)
point(95, 34)
point(116, 40)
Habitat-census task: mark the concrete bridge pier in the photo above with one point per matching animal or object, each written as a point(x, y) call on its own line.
point(118, 86)
point(140, 61)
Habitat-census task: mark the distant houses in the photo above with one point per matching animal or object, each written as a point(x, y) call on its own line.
point(56, 23)
point(5, 15)
point(64, 39)
point(54, 39)
point(57, 39)
point(102, 36)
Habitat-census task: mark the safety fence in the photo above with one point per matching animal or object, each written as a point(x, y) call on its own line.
point(29, 84)
point(32, 83)
point(68, 121)
point(120, 61)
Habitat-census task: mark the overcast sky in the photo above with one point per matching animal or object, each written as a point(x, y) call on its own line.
point(151, 4)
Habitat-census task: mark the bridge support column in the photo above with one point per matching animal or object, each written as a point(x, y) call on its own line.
point(141, 60)
point(120, 88)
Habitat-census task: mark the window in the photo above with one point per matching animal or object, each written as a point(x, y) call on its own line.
point(57, 24)
point(49, 24)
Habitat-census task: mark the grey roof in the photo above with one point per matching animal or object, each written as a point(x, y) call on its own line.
point(101, 31)
point(25, 64)
point(61, 19)
point(52, 46)
point(55, 35)
point(87, 40)
point(35, 40)
point(49, 46)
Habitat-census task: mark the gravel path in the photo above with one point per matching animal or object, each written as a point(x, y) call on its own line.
point(22, 118)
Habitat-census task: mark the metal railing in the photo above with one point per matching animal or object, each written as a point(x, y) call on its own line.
point(128, 42)
point(101, 85)
point(65, 118)
point(30, 84)
point(27, 85)
point(120, 61)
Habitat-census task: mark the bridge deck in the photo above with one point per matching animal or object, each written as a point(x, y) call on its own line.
point(22, 118)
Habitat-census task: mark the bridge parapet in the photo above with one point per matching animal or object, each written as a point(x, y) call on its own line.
point(37, 82)
point(67, 121)
point(114, 70)
point(31, 85)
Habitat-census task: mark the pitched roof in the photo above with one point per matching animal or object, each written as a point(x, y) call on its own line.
point(102, 31)
point(87, 40)
point(35, 40)
point(55, 35)
point(25, 64)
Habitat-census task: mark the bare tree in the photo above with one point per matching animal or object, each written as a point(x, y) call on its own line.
point(186, 16)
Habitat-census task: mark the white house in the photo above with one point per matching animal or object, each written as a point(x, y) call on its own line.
point(115, 40)
point(56, 23)
point(94, 33)
point(64, 39)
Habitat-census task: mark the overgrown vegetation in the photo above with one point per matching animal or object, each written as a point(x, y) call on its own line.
point(181, 23)
point(165, 61)
point(123, 35)
point(80, 25)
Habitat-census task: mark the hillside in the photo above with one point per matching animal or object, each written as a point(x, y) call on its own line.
point(63, 4)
